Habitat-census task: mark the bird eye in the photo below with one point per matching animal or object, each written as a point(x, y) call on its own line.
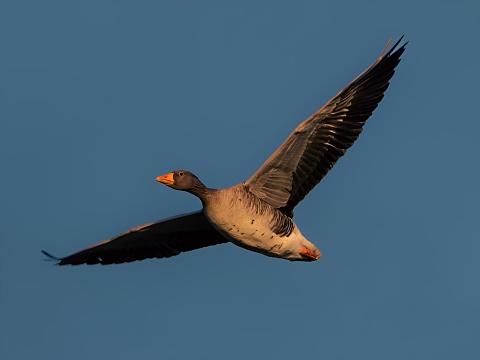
point(180, 173)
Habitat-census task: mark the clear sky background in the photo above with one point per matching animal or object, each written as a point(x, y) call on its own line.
point(100, 97)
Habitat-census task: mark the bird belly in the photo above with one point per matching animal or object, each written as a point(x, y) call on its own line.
point(252, 232)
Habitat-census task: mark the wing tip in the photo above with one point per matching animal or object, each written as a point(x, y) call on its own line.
point(395, 47)
point(51, 257)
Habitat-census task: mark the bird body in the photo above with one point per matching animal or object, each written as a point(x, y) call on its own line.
point(258, 213)
point(255, 225)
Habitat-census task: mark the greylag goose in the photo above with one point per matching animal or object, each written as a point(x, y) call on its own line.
point(258, 213)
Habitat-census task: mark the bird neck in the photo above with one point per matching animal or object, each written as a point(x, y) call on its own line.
point(199, 190)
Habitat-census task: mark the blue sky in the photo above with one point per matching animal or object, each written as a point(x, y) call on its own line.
point(100, 97)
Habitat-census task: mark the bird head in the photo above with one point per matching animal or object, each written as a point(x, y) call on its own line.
point(179, 180)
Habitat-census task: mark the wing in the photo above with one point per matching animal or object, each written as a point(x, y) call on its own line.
point(315, 145)
point(161, 239)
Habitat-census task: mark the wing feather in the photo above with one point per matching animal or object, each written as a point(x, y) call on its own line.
point(317, 144)
point(161, 239)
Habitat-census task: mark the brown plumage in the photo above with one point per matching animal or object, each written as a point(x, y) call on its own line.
point(161, 239)
point(315, 145)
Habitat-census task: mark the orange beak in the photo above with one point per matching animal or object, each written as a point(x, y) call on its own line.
point(166, 179)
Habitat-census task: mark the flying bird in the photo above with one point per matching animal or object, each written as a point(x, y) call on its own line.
point(258, 213)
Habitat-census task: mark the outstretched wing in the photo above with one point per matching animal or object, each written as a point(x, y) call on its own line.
point(315, 145)
point(161, 239)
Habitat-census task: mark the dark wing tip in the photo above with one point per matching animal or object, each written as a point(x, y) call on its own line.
point(394, 47)
point(51, 257)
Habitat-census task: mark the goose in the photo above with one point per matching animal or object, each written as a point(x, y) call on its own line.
point(258, 214)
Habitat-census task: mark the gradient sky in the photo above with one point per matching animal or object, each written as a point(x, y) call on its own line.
point(100, 97)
